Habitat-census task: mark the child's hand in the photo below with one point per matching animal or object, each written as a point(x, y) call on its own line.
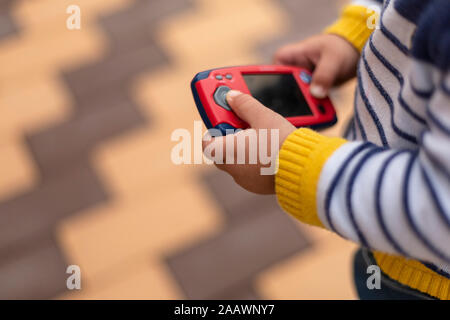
point(257, 116)
point(332, 58)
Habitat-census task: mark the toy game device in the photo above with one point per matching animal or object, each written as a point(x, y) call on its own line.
point(284, 89)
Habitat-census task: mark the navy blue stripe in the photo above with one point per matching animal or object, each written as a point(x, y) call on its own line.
point(371, 111)
point(438, 122)
point(421, 93)
point(378, 210)
point(434, 196)
point(349, 192)
point(358, 119)
point(348, 128)
point(399, 77)
point(404, 49)
point(353, 130)
point(388, 100)
point(409, 217)
point(336, 180)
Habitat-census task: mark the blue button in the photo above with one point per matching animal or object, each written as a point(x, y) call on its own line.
point(306, 78)
point(219, 77)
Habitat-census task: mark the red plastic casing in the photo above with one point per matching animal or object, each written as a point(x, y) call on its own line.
point(204, 89)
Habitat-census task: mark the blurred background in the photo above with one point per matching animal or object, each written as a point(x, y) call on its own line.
point(85, 172)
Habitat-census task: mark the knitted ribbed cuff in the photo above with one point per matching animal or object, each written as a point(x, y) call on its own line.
point(355, 25)
point(414, 274)
point(300, 162)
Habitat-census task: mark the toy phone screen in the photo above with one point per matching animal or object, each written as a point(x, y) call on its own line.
point(279, 92)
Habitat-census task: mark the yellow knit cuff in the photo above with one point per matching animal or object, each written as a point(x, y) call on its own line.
point(356, 25)
point(300, 162)
point(414, 274)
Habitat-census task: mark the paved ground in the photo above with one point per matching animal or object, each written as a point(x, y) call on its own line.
point(85, 172)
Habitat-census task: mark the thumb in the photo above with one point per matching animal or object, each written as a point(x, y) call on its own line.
point(252, 111)
point(324, 76)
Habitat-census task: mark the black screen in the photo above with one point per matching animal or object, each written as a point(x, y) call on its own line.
point(279, 92)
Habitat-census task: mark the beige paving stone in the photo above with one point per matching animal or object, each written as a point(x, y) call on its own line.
point(165, 218)
point(135, 163)
point(36, 53)
point(324, 272)
point(16, 168)
point(32, 104)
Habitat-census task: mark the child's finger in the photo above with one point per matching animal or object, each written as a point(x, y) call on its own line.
point(284, 55)
point(324, 75)
point(252, 111)
point(293, 55)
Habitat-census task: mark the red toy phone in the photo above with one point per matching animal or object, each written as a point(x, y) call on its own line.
point(284, 89)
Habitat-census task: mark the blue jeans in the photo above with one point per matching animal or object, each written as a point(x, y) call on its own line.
point(390, 289)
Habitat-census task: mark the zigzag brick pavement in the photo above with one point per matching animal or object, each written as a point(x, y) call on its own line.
point(68, 183)
point(90, 181)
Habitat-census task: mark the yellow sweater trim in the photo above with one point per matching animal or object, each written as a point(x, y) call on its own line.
point(300, 162)
point(414, 274)
point(355, 25)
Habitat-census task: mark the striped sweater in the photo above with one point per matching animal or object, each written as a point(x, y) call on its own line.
point(386, 185)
